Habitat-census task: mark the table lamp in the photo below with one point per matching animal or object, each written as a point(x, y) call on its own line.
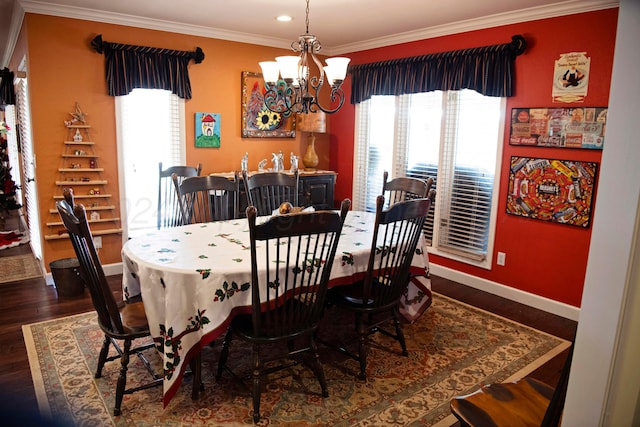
point(312, 123)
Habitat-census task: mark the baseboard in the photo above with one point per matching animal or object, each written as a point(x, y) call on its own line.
point(109, 270)
point(532, 300)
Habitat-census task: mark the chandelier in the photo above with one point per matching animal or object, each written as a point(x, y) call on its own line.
point(289, 85)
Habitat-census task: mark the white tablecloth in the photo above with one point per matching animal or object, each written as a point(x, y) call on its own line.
point(194, 278)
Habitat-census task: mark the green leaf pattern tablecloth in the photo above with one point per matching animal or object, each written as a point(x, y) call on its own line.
point(194, 278)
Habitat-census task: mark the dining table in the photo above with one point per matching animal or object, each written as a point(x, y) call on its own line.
point(193, 279)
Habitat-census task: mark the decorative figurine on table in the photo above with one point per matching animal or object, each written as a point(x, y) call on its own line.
point(294, 162)
point(278, 161)
point(261, 164)
point(244, 164)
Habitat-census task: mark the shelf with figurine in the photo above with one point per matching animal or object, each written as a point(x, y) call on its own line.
point(79, 171)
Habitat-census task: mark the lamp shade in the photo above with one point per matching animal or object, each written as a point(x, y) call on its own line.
point(312, 122)
point(336, 69)
point(270, 71)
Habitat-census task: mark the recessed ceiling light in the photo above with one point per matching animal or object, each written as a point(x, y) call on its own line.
point(284, 18)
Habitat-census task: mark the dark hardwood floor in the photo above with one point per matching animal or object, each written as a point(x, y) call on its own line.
point(33, 301)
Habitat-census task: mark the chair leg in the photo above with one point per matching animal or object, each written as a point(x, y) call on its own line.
point(257, 366)
point(400, 333)
point(362, 347)
point(196, 367)
point(318, 366)
point(224, 354)
point(104, 351)
point(122, 379)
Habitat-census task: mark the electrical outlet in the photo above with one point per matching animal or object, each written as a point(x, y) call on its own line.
point(97, 242)
point(502, 257)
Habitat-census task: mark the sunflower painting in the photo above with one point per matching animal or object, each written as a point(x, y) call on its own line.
point(257, 120)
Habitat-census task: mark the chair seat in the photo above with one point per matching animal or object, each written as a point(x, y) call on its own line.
point(133, 317)
point(243, 326)
point(518, 404)
point(350, 295)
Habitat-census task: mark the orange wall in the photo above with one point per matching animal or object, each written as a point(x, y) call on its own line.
point(542, 258)
point(63, 69)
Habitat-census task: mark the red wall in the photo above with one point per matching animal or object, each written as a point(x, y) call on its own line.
point(543, 258)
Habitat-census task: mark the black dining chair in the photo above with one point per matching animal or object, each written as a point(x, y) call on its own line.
point(291, 260)
point(375, 300)
point(404, 188)
point(120, 322)
point(169, 214)
point(268, 190)
point(207, 198)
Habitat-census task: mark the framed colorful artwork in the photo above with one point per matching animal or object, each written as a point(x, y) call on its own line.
point(576, 127)
point(552, 190)
point(207, 130)
point(257, 120)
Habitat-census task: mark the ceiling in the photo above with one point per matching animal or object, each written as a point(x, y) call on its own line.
point(340, 25)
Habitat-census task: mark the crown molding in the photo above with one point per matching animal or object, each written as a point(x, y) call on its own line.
point(524, 15)
point(43, 8)
point(530, 14)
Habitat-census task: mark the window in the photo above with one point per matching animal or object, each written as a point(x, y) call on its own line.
point(453, 137)
point(150, 125)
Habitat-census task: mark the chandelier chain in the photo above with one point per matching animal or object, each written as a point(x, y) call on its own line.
point(307, 17)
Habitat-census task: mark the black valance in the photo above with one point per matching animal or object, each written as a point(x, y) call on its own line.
point(489, 70)
point(128, 67)
point(7, 91)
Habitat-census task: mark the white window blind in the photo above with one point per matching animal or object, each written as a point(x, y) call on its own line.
point(28, 165)
point(150, 124)
point(452, 137)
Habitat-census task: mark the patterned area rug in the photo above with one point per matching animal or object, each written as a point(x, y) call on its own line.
point(19, 267)
point(453, 348)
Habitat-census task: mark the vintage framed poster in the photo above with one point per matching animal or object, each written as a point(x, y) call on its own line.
point(552, 190)
point(257, 120)
point(577, 127)
point(207, 130)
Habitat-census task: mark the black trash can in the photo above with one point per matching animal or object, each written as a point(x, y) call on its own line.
point(66, 276)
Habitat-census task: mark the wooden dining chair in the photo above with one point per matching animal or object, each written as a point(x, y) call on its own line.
point(267, 190)
point(375, 299)
point(405, 188)
point(120, 322)
point(207, 198)
point(169, 214)
point(291, 260)
point(524, 403)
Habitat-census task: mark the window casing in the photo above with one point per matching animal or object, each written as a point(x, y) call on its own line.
point(454, 137)
point(150, 125)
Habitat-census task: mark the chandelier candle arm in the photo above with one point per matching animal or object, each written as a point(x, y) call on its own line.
point(301, 91)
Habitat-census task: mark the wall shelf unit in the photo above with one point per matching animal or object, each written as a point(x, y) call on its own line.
point(79, 171)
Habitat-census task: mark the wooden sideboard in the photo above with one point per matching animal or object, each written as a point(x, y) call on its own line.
point(316, 188)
